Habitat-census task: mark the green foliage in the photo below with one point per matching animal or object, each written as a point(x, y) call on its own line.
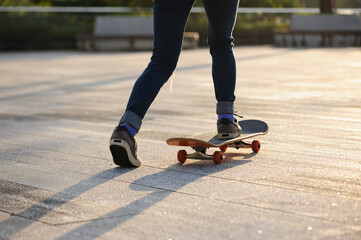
point(42, 31)
point(16, 2)
point(85, 3)
point(149, 3)
point(270, 3)
point(138, 3)
point(348, 4)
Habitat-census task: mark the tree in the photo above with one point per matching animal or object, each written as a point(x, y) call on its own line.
point(138, 3)
point(326, 6)
point(270, 3)
point(16, 3)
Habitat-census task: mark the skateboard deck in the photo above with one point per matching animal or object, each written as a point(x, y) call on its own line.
point(200, 143)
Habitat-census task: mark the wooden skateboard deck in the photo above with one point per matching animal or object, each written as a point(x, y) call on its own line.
point(200, 143)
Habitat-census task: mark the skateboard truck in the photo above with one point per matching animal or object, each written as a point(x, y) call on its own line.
point(183, 156)
point(217, 157)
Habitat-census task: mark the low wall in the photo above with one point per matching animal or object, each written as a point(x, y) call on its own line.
point(126, 34)
point(321, 31)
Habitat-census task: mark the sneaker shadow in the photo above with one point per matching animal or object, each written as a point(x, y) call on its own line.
point(164, 183)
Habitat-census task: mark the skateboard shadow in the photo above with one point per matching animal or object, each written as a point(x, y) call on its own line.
point(230, 156)
point(164, 183)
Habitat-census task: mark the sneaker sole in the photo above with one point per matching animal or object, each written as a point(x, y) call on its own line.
point(122, 154)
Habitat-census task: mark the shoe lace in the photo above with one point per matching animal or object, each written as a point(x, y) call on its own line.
point(235, 114)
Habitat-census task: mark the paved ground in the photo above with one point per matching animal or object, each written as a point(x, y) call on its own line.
point(57, 179)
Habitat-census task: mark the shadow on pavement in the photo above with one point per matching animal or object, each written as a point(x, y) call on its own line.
point(165, 183)
point(40, 209)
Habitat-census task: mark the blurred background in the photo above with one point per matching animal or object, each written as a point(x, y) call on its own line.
point(55, 24)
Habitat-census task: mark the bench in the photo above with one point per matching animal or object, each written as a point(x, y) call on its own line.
point(321, 31)
point(125, 33)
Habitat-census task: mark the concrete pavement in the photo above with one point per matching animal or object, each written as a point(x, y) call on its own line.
point(57, 179)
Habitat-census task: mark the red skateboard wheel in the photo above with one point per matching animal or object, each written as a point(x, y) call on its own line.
point(217, 157)
point(256, 146)
point(182, 156)
point(223, 148)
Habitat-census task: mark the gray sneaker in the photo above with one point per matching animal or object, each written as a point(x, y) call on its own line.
point(228, 129)
point(124, 148)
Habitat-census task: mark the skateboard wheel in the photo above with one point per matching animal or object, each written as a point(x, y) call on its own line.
point(223, 148)
point(256, 146)
point(182, 156)
point(217, 157)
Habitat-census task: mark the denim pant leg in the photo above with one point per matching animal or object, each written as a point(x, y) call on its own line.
point(221, 20)
point(170, 17)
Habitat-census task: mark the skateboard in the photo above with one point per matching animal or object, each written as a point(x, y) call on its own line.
point(200, 143)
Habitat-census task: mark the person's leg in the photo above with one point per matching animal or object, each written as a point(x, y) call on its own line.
point(221, 19)
point(170, 18)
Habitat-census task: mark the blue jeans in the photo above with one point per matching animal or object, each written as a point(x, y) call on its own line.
point(170, 17)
